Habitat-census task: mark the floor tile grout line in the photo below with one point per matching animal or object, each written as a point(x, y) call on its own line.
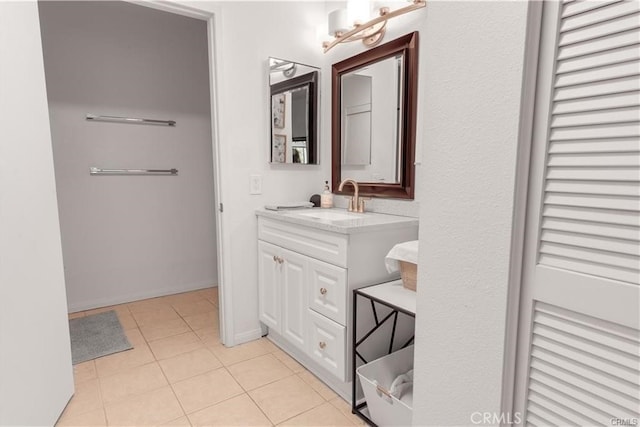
point(104, 409)
point(260, 408)
point(184, 412)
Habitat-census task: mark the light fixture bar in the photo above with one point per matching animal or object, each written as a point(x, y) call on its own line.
point(371, 35)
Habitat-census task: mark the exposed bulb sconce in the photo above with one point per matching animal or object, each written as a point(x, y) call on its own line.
point(346, 25)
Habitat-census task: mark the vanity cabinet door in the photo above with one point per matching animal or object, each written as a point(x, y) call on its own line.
point(269, 292)
point(327, 344)
point(327, 290)
point(294, 307)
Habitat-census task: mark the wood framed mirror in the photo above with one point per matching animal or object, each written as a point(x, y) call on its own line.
point(373, 119)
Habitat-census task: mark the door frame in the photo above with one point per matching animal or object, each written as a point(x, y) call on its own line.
point(521, 194)
point(213, 33)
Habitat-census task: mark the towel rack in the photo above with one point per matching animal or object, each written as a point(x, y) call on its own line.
point(94, 117)
point(100, 171)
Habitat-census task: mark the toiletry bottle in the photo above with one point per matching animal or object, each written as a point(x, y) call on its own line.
point(326, 199)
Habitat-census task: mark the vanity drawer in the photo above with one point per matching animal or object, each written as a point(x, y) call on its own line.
point(326, 290)
point(323, 245)
point(327, 344)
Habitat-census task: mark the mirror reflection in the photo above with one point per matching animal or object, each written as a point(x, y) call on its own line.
point(293, 107)
point(371, 114)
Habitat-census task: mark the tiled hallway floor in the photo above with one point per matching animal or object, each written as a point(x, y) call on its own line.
point(179, 374)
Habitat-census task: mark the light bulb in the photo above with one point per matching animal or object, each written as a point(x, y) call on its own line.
point(338, 23)
point(358, 11)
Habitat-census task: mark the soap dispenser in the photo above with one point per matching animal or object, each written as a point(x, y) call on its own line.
point(326, 198)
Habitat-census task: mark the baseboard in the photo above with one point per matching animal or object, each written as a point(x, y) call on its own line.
point(135, 296)
point(247, 336)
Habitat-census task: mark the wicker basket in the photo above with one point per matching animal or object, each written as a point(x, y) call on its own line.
point(409, 273)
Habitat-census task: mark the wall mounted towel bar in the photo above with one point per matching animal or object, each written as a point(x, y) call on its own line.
point(100, 171)
point(94, 117)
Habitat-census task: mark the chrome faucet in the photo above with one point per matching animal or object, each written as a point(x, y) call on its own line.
point(356, 203)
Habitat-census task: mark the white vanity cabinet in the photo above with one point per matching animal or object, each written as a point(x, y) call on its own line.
point(308, 269)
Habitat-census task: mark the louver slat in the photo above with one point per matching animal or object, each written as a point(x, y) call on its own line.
point(559, 410)
point(601, 59)
point(599, 159)
point(549, 418)
point(603, 14)
point(584, 6)
point(592, 201)
point(593, 174)
point(589, 214)
point(623, 100)
point(627, 38)
point(571, 403)
point(593, 242)
point(589, 256)
point(624, 130)
point(627, 402)
point(600, 117)
point(587, 345)
point(583, 370)
point(627, 84)
point(610, 72)
point(586, 187)
point(603, 29)
point(593, 229)
point(629, 145)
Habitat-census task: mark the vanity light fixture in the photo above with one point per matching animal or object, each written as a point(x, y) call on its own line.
point(370, 32)
point(288, 68)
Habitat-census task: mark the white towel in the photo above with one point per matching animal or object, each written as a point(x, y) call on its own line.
point(401, 384)
point(406, 251)
point(289, 205)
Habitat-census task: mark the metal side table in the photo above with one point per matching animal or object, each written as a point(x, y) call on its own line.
point(401, 301)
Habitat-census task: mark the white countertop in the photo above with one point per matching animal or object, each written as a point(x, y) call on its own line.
point(357, 223)
point(393, 293)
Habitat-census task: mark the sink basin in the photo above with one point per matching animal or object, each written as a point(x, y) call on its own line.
point(329, 215)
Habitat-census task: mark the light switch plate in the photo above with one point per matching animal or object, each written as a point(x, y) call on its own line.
point(256, 184)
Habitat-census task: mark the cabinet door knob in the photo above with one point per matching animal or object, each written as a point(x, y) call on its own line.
point(322, 344)
point(280, 260)
point(275, 258)
point(323, 291)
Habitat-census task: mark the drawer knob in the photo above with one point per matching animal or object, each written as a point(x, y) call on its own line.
point(322, 344)
point(323, 291)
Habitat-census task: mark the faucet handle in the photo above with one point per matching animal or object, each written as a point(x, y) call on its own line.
point(361, 204)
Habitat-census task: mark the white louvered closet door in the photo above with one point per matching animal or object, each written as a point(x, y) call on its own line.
point(578, 360)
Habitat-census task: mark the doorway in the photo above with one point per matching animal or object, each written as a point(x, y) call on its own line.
point(132, 234)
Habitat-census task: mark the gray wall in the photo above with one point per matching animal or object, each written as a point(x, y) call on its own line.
point(130, 237)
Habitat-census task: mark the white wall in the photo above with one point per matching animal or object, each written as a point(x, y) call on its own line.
point(130, 237)
point(36, 378)
point(247, 33)
point(472, 64)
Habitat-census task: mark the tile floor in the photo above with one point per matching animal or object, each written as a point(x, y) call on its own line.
point(178, 374)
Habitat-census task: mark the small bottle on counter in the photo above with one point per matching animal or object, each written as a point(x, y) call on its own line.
point(326, 198)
